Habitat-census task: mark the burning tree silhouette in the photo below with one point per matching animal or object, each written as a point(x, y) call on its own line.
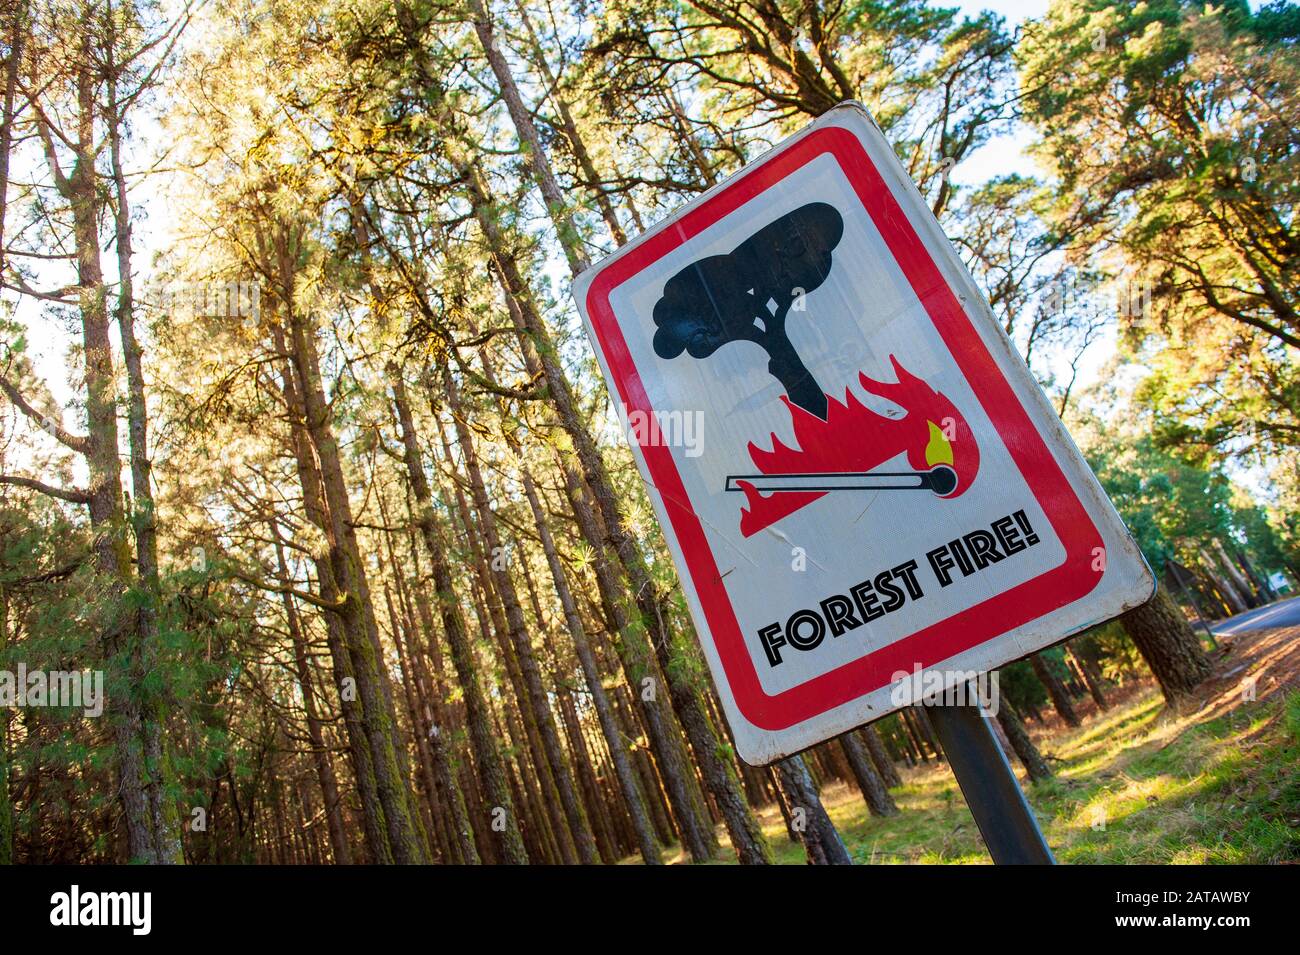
point(747, 294)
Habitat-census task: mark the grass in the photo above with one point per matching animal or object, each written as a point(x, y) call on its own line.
point(1135, 784)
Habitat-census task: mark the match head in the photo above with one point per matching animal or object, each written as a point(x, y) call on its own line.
point(943, 480)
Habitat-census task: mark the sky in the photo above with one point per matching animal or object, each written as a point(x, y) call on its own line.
point(1013, 11)
point(1006, 152)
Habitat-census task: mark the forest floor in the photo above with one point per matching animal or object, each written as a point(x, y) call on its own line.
point(1136, 783)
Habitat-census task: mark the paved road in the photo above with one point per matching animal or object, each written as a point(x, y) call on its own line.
point(1284, 613)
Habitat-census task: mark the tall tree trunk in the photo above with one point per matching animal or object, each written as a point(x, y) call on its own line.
point(532, 328)
point(404, 827)
point(1092, 677)
point(325, 777)
point(536, 823)
point(644, 683)
point(1170, 647)
point(658, 800)
point(586, 773)
point(720, 777)
point(342, 670)
point(429, 806)
point(745, 833)
point(1024, 747)
point(495, 627)
point(880, 756)
point(580, 153)
point(437, 803)
point(166, 821)
point(900, 737)
point(529, 139)
point(591, 672)
point(873, 788)
point(924, 741)
point(113, 555)
point(518, 630)
point(442, 721)
point(6, 802)
point(1231, 597)
point(16, 28)
point(445, 792)
point(821, 840)
point(1263, 589)
point(1055, 689)
point(1239, 581)
point(508, 843)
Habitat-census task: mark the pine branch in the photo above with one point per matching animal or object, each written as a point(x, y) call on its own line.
point(76, 442)
point(58, 574)
point(303, 595)
point(73, 495)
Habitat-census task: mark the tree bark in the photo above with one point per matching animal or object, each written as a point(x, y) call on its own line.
point(357, 612)
point(880, 756)
point(649, 848)
point(1239, 581)
point(6, 801)
point(1055, 689)
point(638, 665)
point(145, 841)
point(579, 828)
point(1170, 647)
point(1092, 677)
point(580, 153)
point(509, 846)
point(166, 820)
point(445, 798)
point(342, 669)
point(721, 779)
point(873, 788)
point(495, 627)
point(325, 777)
point(1024, 747)
point(821, 840)
point(1234, 600)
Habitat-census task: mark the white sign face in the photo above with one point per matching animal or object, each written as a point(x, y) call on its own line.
point(857, 476)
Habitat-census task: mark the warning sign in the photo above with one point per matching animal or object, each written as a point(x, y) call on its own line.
point(874, 484)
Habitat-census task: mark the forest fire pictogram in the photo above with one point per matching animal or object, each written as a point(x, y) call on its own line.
point(747, 295)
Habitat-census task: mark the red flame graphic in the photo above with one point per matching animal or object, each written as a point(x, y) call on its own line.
point(853, 438)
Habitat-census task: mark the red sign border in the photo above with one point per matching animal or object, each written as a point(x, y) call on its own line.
point(1055, 588)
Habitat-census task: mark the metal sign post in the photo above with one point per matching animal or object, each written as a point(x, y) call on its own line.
point(989, 785)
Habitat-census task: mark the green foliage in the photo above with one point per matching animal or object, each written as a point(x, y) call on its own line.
point(1021, 688)
point(1119, 657)
point(1171, 505)
point(1170, 129)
